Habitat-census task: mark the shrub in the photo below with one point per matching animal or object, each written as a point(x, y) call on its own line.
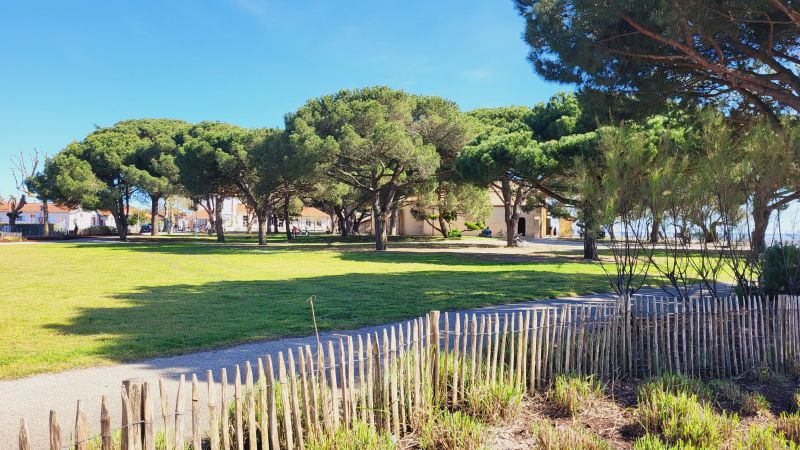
point(475, 226)
point(789, 425)
point(675, 384)
point(681, 418)
point(781, 272)
point(753, 403)
point(361, 436)
point(451, 431)
point(650, 442)
point(98, 230)
point(494, 402)
point(565, 437)
point(749, 403)
point(571, 394)
point(760, 437)
point(454, 234)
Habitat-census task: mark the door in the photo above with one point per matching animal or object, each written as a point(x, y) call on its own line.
point(521, 226)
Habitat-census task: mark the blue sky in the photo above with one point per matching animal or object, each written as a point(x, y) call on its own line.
point(70, 65)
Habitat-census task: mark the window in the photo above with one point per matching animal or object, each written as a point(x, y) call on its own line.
point(244, 220)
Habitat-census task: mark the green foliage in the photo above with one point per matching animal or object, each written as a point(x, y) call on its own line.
point(673, 383)
point(210, 158)
point(651, 442)
point(565, 437)
point(98, 230)
point(764, 437)
point(451, 431)
point(494, 402)
point(572, 394)
point(681, 418)
point(454, 234)
point(475, 226)
point(789, 425)
point(383, 141)
point(361, 436)
point(781, 269)
point(641, 48)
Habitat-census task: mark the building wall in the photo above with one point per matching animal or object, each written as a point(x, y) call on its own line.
point(534, 220)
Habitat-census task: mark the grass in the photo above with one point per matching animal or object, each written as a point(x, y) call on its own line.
point(675, 412)
point(572, 394)
point(69, 305)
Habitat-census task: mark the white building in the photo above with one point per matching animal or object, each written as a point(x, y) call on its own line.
point(236, 218)
point(60, 217)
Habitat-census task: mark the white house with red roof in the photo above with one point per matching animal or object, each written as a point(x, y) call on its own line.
point(61, 217)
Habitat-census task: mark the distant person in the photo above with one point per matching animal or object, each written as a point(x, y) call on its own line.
point(486, 232)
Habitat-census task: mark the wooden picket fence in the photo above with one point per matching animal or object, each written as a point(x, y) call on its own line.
point(388, 381)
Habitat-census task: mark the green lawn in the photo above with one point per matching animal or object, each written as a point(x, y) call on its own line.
point(80, 304)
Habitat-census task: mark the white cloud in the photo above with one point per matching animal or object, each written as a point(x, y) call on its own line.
point(476, 73)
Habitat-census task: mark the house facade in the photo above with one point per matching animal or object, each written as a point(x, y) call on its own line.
point(62, 218)
point(236, 218)
point(534, 223)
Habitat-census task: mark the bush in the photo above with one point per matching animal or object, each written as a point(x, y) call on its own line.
point(681, 418)
point(98, 230)
point(572, 394)
point(672, 383)
point(451, 431)
point(778, 261)
point(491, 403)
point(760, 437)
point(748, 403)
point(476, 226)
point(565, 437)
point(454, 234)
point(362, 436)
point(789, 425)
point(650, 442)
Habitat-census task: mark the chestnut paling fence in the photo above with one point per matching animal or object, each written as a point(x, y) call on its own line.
point(389, 381)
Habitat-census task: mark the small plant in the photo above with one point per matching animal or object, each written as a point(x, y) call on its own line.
point(454, 234)
point(565, 437)
point(748, 403)
point(572, 394)
point(764, 437)
point(451, 431)
point(682, 418)
point(789, 425)
point(651, 442)
point(360, 437)
point(674, 384)
point(753, 403)
point(494, 402)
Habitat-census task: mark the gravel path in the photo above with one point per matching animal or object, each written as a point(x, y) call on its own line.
point(33, 397)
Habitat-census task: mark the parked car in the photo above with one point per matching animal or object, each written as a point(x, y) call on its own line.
point(146, 228)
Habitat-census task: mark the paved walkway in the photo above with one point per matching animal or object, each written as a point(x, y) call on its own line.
point(33, 397)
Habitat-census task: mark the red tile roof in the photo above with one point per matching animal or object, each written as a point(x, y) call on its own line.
point(35, 207)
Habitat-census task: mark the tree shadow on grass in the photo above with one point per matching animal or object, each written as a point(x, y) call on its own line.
point(175, 319)
point(438, 255)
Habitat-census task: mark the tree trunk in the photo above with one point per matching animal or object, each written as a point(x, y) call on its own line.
point(511, 228)
point(262, 224)
point(590, 237)
point(220, 226)
point(655, 230)
point(590, 246)
point(379, 224)
point(760, 223)
point(443, 227)
point(154, 215)
point(45, 218)
point(286, 219)
point(393, 223)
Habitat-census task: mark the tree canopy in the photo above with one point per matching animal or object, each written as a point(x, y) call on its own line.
point(370, 139)
point(740, 54)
